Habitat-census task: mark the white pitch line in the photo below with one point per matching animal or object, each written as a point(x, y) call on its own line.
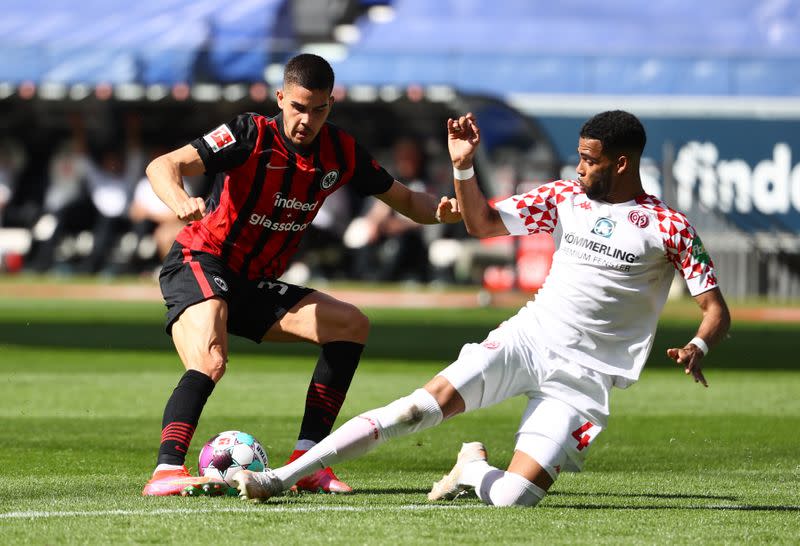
point(33, 514)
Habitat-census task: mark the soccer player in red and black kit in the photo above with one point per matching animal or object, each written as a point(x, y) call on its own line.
point(221, 275)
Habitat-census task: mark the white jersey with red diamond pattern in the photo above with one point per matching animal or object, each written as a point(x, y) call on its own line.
point(611, 273)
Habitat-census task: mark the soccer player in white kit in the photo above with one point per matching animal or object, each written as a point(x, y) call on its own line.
point(590, 327)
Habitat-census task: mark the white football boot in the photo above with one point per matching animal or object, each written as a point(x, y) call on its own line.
point(449, 487)
point(258, 486)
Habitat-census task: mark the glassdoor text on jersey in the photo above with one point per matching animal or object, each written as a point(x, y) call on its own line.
point(282, 202)
point(267, 222)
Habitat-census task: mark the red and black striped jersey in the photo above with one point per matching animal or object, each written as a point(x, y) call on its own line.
point(267, 191)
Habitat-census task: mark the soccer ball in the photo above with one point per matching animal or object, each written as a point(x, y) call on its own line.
point(228, 452)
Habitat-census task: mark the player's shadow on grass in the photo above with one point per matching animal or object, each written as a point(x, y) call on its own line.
point(666, 506)
point(610, 506)
point(394, 491)
point(646, 495)
point(388, 340)
point(720, 507)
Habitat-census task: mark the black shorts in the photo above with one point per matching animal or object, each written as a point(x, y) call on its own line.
point(189, 277)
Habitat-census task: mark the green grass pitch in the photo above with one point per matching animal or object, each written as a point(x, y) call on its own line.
point(83, 384)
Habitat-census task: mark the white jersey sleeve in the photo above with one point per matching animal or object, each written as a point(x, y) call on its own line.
point(535, 211)
point(683, 248)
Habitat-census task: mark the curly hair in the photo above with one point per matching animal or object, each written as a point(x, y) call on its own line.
point(617, 130)
point(309, 71)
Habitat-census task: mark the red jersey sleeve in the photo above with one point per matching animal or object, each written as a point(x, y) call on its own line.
point(229, 145)
point(369, 177)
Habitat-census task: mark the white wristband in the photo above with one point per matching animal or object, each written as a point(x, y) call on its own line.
point(700, 344)
point(463, 174)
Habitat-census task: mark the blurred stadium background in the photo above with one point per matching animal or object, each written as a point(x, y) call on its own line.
point(95, 84)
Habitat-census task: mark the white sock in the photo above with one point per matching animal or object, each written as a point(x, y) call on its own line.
point(498, 488)
point(364, 433)
point(164, 466)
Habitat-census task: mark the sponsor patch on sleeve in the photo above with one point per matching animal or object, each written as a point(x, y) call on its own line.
point(219, 138)
point(699, 251)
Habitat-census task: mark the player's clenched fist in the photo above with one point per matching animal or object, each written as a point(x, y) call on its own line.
point(193, 208)
point(448, 211)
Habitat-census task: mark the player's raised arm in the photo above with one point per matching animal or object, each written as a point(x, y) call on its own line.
point(715, 324)
point(481, 220)
point(166, 174)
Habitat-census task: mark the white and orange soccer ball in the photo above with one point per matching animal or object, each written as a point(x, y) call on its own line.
point(228, 453)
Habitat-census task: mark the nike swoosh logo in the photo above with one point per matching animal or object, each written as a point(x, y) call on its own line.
point(276, 167)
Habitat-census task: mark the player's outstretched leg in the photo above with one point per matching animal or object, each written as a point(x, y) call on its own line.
point(323, 480)
point(451, 486)
point(258, 486)
point(356, 437)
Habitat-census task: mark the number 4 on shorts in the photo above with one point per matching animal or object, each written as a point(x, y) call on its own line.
point(579, 434)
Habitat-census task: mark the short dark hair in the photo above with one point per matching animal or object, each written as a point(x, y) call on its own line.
point(617, 130)
point(309, 71)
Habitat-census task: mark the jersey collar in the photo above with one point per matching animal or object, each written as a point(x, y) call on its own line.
point(303, 152)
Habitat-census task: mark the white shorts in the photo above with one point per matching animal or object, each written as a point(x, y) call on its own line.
point(568, 404)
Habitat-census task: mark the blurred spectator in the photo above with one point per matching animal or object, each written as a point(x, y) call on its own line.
point(109, 182)
point(13, 242)
point(12, 161)
point(388, 246)
point(66, 209)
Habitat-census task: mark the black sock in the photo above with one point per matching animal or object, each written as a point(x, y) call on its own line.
point(181, 416)
point(335, 369)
